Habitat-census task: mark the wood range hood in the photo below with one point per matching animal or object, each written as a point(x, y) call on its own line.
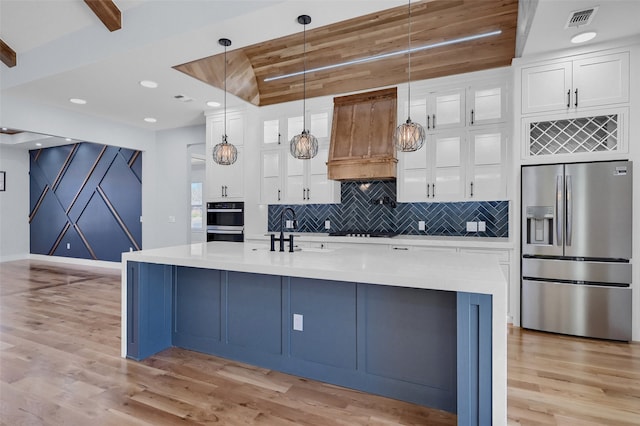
point(362, 145)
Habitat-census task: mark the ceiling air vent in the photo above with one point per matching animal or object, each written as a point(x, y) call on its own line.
point(579, 18)
point(183, 98)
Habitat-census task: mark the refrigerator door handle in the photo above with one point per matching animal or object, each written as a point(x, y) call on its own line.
point(559, 210)
point(569, 196)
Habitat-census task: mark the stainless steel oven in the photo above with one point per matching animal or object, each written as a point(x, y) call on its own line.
point(225, 221)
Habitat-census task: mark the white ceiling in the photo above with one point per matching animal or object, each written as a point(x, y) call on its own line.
point(64, 51)
point(614, 19)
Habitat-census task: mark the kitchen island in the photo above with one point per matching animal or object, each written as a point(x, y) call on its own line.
point(427, 328)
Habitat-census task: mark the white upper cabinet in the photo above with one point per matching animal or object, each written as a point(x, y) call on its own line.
point(446, 109)
point(486, 104)
point(464, 157)
point(579, 83)
point(272, 188)
point(486, 164)
point(288, 180)
point(435, 172)
point(603, 80)
point(271, 132)
point(225, 182)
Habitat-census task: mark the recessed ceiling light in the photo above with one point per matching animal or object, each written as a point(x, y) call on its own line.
point(77, 101)
point(213, 104)
point(150, 120)
point(149, 84)
point(582, 37)
point(68, 139)
point(38, 144)
point(4, 129)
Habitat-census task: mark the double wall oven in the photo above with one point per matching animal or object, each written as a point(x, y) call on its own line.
point(225, 221)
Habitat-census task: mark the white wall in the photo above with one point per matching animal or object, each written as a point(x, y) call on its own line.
point(166, 187)
point(14, 204)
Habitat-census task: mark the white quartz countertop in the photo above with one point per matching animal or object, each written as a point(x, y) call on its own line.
point(399, 240)
point(476, 273)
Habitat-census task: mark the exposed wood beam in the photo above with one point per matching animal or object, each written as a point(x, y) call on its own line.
point(7, 54)
point(108, 13)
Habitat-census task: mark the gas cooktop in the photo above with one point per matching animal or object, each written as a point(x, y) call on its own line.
point(363, 234)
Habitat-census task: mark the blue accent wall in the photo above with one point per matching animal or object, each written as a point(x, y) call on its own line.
point(87, 197)
point(371, 206)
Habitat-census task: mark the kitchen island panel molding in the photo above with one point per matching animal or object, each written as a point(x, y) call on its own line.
point(328, 312)
point(393, 341)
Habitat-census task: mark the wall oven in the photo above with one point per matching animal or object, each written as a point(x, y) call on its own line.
point(225, 221)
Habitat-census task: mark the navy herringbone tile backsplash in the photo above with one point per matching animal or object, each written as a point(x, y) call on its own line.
point(369, 206)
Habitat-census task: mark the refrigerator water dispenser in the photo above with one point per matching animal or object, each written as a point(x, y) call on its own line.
point(540, 225)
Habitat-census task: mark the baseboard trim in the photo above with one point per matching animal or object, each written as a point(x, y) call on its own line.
point(75, 261)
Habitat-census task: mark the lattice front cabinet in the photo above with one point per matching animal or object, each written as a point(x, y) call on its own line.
point(576, 135)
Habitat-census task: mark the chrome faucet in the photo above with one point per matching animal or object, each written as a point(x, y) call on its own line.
point(282, 239)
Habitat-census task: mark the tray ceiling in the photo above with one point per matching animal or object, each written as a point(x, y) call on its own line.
point(432, 21)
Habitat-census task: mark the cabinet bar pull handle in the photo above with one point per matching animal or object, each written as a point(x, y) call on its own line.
point(428, 121)
point(278, 195)
point(222, 190)
point(472, 189)
point(308, 194)
point(433, 189)
point(568, 98)
point(559, 210)
point(472, 116)
point(569, 200)
point(576, 98)
point(401, 248)
point(279, 135)
point(434, 121)
point(428, 193)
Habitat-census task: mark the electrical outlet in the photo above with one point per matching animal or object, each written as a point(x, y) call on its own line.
point(327, 224)
point(482, 226)
point(472, 226)
point(140, 219)
point(298, 322)
point(130, 248)
point(421, 225)
point(68, 246)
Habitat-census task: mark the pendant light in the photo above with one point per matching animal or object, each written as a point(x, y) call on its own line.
point(409, 136)
point(225, 153)
point(304, 146)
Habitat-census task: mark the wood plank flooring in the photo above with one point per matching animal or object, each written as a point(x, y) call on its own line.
point(60, 364)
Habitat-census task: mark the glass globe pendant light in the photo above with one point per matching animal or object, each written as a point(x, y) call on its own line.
point(409, 136)
point(225, 153)
point(304, 146)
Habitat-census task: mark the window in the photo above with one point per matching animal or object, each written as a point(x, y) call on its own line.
point(196, 206)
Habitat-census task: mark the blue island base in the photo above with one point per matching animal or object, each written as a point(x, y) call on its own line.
point(428, 347)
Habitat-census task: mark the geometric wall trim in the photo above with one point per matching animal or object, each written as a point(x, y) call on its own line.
point(85, 201)
point(371, 206)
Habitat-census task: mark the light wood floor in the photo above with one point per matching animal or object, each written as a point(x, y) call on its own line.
point(60, 364)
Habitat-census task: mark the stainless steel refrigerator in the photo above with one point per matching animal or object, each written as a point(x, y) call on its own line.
point(576, 249)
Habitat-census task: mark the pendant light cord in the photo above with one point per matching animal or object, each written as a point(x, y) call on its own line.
point(225, 94)
point(304, 78)
point(409, 82)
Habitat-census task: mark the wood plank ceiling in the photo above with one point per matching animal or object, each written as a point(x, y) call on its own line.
point(432, 21)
